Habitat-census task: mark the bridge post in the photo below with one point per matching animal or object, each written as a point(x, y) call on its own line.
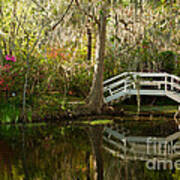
point(165, 82)
point(134, 84)
point(172, 81)
point(125, 86)
point(110, 92)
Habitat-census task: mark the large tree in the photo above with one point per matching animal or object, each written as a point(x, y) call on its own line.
point(95, 98)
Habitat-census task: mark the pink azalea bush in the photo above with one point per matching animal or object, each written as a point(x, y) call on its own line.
point(10, 58)
point(6, 74)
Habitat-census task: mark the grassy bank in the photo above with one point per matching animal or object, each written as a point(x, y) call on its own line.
point(55, 107)
point(155, 109)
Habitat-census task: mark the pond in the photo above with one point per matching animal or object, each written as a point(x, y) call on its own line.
point(80, 152)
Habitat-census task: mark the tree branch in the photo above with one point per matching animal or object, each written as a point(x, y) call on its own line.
point(62, 18)
point(34, 1)
point(125, 23)
point(87, 14)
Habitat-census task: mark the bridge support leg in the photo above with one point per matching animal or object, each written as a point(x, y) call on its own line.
point(125, 86)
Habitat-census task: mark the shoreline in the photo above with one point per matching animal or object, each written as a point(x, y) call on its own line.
point(115, 117)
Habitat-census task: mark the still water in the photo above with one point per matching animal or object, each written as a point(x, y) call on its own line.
point(80, 152)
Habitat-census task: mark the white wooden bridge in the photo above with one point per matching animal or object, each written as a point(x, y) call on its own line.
point(134, 83)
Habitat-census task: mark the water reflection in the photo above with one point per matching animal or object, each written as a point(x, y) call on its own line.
point(141, 147)
point(70, 153)
point(44, 153)
point(95, 136)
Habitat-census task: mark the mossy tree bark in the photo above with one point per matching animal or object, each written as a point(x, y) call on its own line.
point(95, 98)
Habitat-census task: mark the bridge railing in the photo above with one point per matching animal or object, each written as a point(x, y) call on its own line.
point(115, 78)
point(147, 81)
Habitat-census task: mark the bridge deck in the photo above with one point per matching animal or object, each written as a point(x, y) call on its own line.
point(147, 92)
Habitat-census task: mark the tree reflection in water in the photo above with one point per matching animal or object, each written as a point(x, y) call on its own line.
point(26, 174)
point(95, 135)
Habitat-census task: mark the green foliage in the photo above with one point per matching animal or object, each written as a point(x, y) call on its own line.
point(80, 82)
point(9, 113)
point(167, 59)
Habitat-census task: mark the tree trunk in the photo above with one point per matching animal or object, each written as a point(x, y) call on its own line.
point(89, 46)
point(95, 98)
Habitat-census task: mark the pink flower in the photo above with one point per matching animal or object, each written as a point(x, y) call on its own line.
point(7, 66)
point(6, 88)
point(10, 58)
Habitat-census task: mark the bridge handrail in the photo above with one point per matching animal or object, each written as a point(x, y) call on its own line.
point(122, 88)
point(115, 84)
point(115, 78)
point(141, 74)
point(123, 83)
point(174, 77)
point(148, 74)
